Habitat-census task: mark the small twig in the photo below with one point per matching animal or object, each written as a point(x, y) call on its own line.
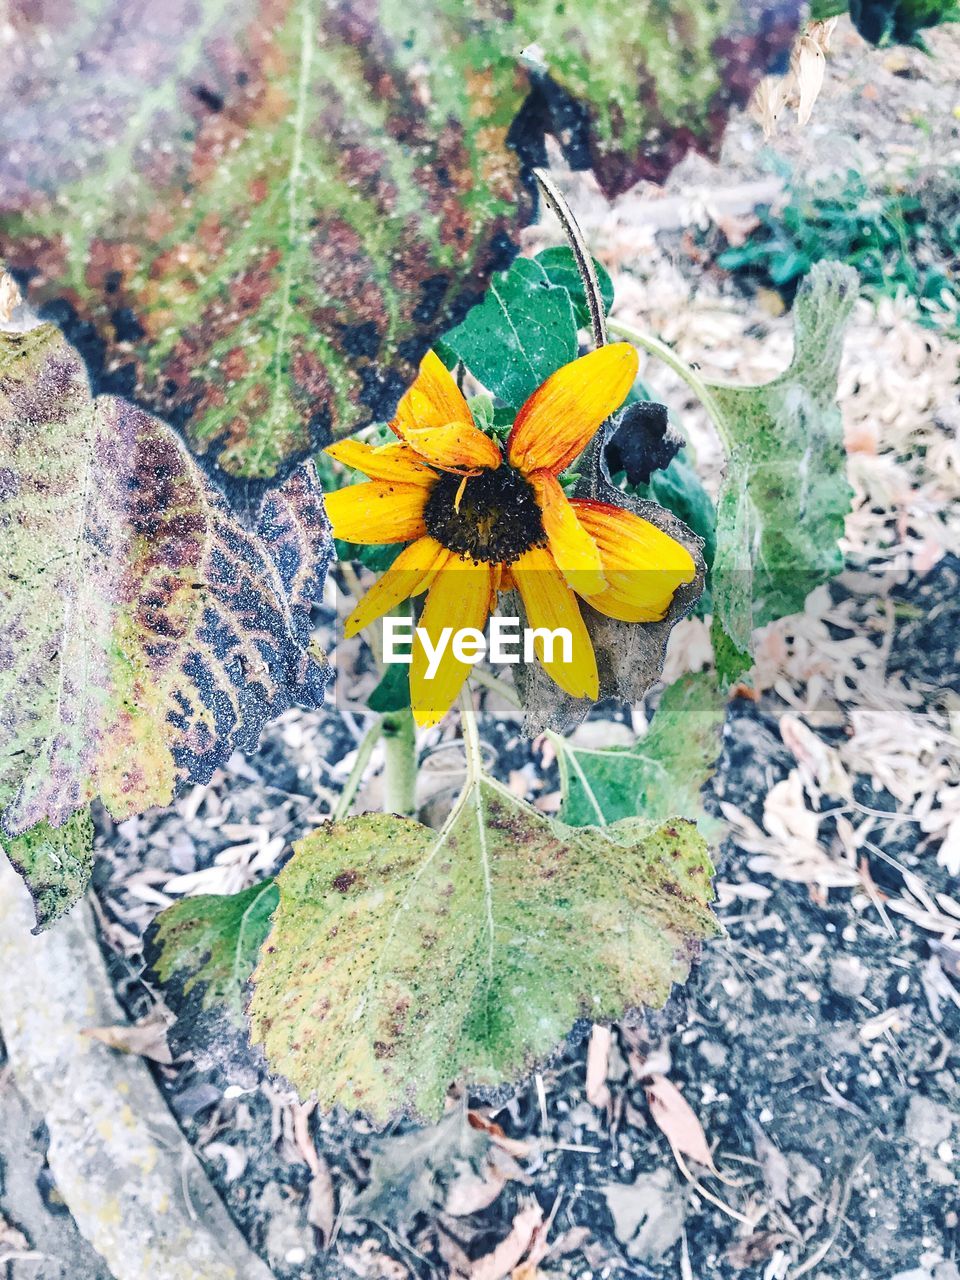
point(554, 200)
point(821, 1251)
point(701, 1190)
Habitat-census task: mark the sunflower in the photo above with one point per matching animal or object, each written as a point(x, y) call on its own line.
point(480, 521)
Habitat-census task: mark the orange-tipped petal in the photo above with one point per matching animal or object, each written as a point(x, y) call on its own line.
point(412, 572)
point(575, 552)
point(643, 565)
point(388, 462)
point(458, 598)
point(377, 512)
point(434, 400)
point(550, 604)
point(563, 414)
point(459, 446)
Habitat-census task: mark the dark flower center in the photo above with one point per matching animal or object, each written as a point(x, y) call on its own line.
point(498, 519)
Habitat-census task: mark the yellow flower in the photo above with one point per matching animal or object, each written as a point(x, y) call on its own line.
point(479, 522)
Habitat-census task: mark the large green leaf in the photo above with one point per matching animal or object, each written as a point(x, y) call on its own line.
point(783, 500)
point(144, 633)
point(211, 943)
point(402, 959)
point(658, 776)
point(270, 210)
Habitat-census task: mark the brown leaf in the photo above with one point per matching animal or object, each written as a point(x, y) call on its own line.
point(755, 1249)
point(508, 1253)
point(146, 1038)
point(677, 1121)
point(598, 1061)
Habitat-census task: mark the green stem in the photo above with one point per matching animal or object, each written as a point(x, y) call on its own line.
point(471, 738)
point(352, 784)
point(670, 358)
point(400, 763)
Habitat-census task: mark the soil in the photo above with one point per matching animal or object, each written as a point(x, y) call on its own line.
point(816, 1042)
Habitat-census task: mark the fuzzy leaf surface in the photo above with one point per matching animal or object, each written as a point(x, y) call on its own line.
point(658, 776)
point(55, 862)
point(269, 209)
point(402, 958)
point(211, 942)
point(785, 495)
point(145, 633)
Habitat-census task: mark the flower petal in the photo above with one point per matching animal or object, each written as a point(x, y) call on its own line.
point(412, 572)
point(565, 411)
point(643, 565)
point(388, 462)
point(550, 603)
point(434, 400)
point(458, 598)
point(458, 445)
point(574, 551)
point(377, 512)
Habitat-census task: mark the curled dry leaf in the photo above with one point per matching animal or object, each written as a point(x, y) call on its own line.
point(146, 1038)
point(677, 1120)
point(509, 1252)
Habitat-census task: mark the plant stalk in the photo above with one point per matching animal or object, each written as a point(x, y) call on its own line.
point(352, 784)
point(554, 200)
point(690, 376)
point(400, 763)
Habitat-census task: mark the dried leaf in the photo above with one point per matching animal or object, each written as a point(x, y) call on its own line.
point(146, 1038)
point(498, 1264)
point(677, 1120)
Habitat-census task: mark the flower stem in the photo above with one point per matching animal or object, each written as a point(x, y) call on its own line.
point(400, 763)
point(352, 784)
point(471, 737)
point(690, 376)
point(554, 200)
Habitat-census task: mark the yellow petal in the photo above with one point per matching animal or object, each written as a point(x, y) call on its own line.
point(550, 603)
point(388, 462)
point(564, 412)
point(643, 565)
point(377, 512)
point(575, 552)
point(458, 598)
point(412, 572)
point(434, 400)
point(457, 446)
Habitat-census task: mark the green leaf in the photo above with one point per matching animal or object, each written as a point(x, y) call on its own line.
point(55, 862)
point(271, 211)
point(523, 331)
point(393, 691)
point(560, 267)
point(211, 942)
point(678, 488)
point(146, 633)
point(402, 959)
point(660, 775)
point(783, 500)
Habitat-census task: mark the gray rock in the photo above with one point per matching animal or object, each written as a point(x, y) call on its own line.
point(848, 977)
point(648, 1214)
point(927, 1122)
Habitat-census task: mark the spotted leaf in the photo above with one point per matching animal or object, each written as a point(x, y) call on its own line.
point(403, 959)
point(262, 212)
point(144, 633)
